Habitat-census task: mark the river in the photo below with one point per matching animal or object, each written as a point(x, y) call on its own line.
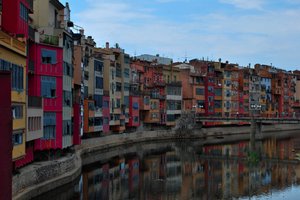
point(187, 170)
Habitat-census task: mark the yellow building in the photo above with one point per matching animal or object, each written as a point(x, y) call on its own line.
point(13, 58)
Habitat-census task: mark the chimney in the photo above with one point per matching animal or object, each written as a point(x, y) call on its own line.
point(107, 45)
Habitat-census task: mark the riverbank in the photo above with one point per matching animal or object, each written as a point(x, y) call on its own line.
point(41, 177)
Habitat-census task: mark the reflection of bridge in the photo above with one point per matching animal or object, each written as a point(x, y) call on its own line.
point(256, 123)
point(263, 120)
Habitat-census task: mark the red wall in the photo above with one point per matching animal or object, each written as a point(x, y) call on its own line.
point(134, 112)
point(11, 20)
point(6, 137)
point(50, 104)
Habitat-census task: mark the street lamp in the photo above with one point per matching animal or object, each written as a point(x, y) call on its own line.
point(255, 107)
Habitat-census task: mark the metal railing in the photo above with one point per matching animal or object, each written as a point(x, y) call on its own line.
point(34, 101)
point(49, 39)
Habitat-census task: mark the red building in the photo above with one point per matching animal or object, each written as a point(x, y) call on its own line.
point(46, 80)
point(15, 16)
point(155, 84)
point(134, 114)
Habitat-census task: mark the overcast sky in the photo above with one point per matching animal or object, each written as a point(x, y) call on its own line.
point(240, 31)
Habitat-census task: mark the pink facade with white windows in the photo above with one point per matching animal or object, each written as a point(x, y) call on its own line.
point(46, 80)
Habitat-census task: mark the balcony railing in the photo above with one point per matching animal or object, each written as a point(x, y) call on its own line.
point(158, 96)
point(34, 101)
point(49, 39)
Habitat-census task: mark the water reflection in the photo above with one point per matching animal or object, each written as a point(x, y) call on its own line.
point(188, 171)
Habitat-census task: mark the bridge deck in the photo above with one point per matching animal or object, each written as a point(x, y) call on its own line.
point(249, 119)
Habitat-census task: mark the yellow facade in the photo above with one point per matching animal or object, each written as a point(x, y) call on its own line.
point(14, 52)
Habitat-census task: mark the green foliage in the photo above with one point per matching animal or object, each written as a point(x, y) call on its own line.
point(253, 158)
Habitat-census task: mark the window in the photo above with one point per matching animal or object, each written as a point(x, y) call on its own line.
point(118, 103)
point(126, 72)
point(86, 91)
point(98, 101)
point(67, 95)
point(136, 119)
point(17, 138)
point(49, 125)
point(218, 92)
point(135, 105)
point(218, 104)
point(34, 123)
point(67, 128)
point(91, 106)
point(68, 69)
point(200, 104)
point(210, 89)
point(105, 104)
point(146, 100)
point(23, 12)
point(118, 86)
point(154, 116)
point(126, 86)
point(105, 120)
point(99, 82)
point(118, 71)
point(170, 118)
point(48, 56)
point(48, 86)
point(17, 111)
point(17, 77)
point(199, 91)
point(153, 105)
point(126, 101)
point(98, 66)
point(98, 121)
point(91, 121)
point(4, 65)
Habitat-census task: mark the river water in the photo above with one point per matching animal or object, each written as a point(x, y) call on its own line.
point(188, 170)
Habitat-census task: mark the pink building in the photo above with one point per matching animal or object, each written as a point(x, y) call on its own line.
point(46, 80)
point(134, 114)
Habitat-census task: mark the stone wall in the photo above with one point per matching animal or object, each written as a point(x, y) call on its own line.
point(41, 177)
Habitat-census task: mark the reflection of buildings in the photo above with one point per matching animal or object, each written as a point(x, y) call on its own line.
point(174, 177)
point(96, 183)
point(171, 175)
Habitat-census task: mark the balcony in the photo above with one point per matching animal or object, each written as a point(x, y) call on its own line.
point(159, 83)
point(158, 96)
point(34, 118)
point(49, 39)
point(12, 43)
point(175, 83)
point(35, 102)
